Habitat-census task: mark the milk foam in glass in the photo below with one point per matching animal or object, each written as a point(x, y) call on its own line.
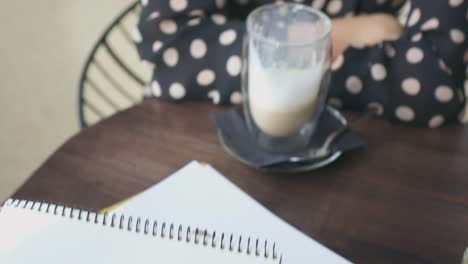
point(287, 57)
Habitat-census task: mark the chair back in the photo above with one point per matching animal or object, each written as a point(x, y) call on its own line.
point(113, 77)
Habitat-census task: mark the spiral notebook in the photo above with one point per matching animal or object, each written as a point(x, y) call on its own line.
point(200, 195)
point(34, 232)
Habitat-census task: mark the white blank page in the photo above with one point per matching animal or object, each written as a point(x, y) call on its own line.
point(199, 195)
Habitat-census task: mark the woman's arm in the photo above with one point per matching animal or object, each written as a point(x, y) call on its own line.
point(417, 78)
point(195, 46)
point(363, 30)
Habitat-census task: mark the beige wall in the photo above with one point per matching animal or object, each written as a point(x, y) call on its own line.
point(43, 45)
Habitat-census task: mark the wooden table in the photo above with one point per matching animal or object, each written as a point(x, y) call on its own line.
point(403, 199)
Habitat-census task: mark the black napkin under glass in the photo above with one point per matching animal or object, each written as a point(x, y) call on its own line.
point(233, 128)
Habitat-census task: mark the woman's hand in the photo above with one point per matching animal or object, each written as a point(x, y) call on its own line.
point(364, 30)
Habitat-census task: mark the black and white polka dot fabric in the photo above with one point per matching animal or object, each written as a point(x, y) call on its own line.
point(195, 47)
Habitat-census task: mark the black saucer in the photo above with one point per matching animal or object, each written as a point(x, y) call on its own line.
point(290, 167)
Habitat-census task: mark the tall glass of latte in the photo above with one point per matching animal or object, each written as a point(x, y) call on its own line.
point(287, 55)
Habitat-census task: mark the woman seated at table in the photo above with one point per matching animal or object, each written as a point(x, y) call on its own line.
point(407, 58)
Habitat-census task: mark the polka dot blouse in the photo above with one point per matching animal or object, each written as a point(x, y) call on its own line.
point(195, 47)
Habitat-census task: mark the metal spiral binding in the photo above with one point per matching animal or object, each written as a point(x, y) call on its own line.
point(149, 227)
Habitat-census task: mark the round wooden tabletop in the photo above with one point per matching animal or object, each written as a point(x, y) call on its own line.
point(402, 199)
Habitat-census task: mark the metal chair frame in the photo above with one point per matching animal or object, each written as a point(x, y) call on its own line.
point(84, 79)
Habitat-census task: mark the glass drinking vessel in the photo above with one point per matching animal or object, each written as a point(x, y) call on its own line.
point(286, 73)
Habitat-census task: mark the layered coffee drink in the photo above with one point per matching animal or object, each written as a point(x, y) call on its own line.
point(287, 53)
point(281, 101)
